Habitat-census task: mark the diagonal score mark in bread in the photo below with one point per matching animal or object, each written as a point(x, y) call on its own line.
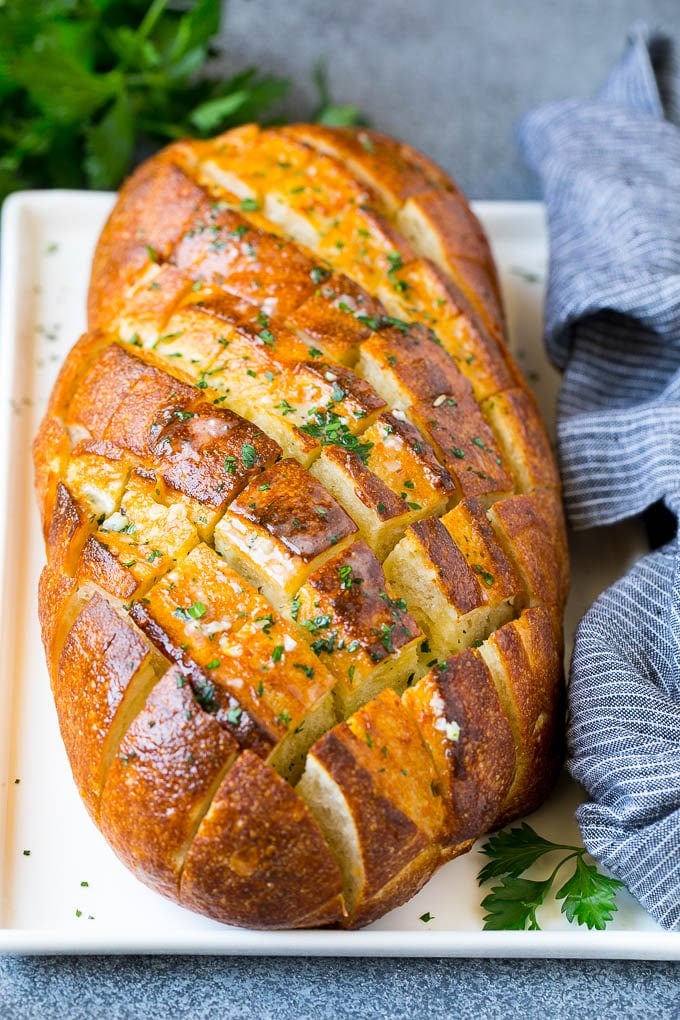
point(294, 365)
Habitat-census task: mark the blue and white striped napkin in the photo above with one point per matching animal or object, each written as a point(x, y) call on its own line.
point(611, 174)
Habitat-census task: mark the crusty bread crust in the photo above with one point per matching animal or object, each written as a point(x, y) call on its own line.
point(306, 554)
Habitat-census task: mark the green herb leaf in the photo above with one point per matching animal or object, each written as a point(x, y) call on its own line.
point(513, 851)
point(513, 903)
point(249, 456)
point(86, 85)
point(109, 145)
point(193, 612)
point(589, 896)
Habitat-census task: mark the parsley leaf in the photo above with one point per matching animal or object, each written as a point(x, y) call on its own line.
point(588, 895)
point(513, 903)
point(513, 851)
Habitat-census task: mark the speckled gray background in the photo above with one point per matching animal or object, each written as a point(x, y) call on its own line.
point(449, 76)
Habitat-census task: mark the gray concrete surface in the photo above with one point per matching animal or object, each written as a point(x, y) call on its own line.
point(450, 76)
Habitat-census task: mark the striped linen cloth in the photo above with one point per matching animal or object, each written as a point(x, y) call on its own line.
point(610, 169)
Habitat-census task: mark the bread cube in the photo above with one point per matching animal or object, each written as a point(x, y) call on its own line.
point(161, 782)
point(419, 291)
point(456, 577)
point(280, 528)
point(392, 455)
point(209, 454)
point(146, 536)
point(463, 723)
point(105, 672)
point(334, 321)
point(409, 365)
point(365, 637)
point(531, 530)
point(97, 473)
point(255, 671)
point(150, 302)
point(465, 445)
point(525, 660)
point(522, 439)
point(259, 855)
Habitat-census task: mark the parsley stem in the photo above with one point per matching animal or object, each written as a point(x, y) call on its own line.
point(157, 78)
point(150, 18)
point(576, 853)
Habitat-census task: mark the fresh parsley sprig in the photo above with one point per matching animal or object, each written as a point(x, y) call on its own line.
point(588, 896)
point(88, 87)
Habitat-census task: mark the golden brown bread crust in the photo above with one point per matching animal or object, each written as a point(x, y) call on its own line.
point(306, 554)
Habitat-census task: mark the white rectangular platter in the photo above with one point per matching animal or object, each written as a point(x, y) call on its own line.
point(61, 889)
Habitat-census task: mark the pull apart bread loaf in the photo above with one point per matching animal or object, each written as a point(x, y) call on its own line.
point(306, 555)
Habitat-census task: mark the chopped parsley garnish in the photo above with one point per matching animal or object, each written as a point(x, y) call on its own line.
point(330, 430)
point(268, 620)
point(285, 718)
point(204, 692)
point(385, 635)
point(294, 608)
point(154, 555)
point(277, 653)
point(337, 393)
point(318, 623)
point(318, 274)
point(588, 897)
point(213, 664)
point(395, 260)
point(234, 714)
point(314, 352)
point(347, 577)
point(307, 670)
point(250, 205)
point(183, 415)
point(486, 577)
point(267, 337)
point(396, 605)
point(193, 612)
point(230, 465)
point(284, 407)
point(249, 456)
point(325, 644)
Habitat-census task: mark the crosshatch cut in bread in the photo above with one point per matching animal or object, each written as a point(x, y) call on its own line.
point(306, 559)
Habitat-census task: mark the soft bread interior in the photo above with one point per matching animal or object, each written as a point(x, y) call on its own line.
point(327, 803)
